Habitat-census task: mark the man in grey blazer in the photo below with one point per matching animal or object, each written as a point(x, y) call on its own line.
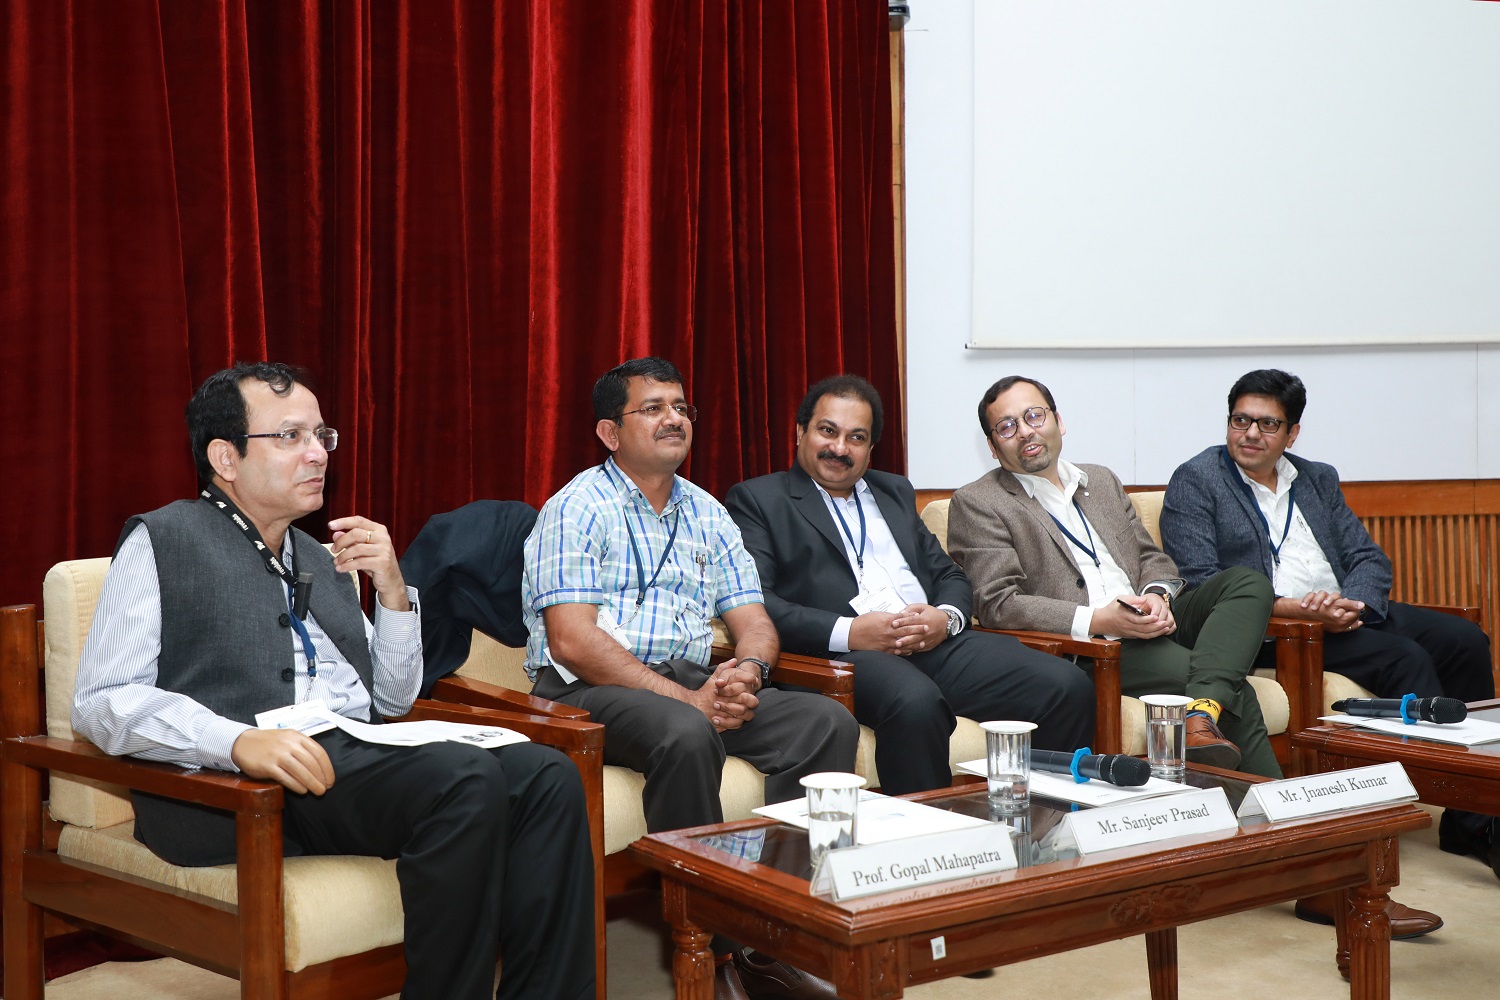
point(1053, 546)
point(830, 539)
point(1250, 502)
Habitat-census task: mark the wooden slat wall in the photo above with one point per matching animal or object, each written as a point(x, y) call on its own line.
point(1443, 538)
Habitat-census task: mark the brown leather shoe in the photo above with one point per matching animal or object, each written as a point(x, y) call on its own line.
point(1206, 745)
point(727, 985)
point(1406, 922)
point(763, 976)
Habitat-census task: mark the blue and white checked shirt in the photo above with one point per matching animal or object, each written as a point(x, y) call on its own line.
point(579, 553)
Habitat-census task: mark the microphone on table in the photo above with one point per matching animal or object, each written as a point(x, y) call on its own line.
point(1115, 768)
point(1408, 709)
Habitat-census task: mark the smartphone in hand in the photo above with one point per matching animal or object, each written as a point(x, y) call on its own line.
point(1130, 607)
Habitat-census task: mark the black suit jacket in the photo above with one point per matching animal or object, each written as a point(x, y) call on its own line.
point(799, 551)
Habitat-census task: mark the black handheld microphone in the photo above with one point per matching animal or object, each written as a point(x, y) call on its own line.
point(301, 594)
point(1442, 710)
point(1115, 768)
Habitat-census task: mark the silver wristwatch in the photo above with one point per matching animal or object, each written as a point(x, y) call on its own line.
point(955, 621)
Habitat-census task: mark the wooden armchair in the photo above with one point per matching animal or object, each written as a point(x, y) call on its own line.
point(1120, 725)
point(297, 927)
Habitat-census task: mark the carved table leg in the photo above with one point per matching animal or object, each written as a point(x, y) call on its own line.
point(692, 961)
point(1369, 944)
point(1342, 908)
point(1161, 963)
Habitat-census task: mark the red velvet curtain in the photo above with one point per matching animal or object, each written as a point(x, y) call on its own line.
point(455, 213)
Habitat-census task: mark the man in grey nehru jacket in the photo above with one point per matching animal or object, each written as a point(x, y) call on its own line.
point(204, 622)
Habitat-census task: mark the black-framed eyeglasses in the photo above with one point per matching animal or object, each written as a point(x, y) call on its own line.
point(1035, 417)
point(1268, 425)
point(293, 439)
point(655, 411)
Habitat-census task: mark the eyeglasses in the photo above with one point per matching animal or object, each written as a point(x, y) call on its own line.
point(656, 411)
point(1268, 425)
point(293, 439)
point(1036, 419)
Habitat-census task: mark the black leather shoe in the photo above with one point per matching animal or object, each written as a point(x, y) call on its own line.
point(727, 985)
point(763, 976)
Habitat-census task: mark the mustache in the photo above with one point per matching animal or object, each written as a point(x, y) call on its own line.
point(669, 430)
point(828, 456)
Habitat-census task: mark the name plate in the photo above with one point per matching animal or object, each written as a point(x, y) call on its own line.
point(1294, 798)
point(1130, 824)
point(850, 872)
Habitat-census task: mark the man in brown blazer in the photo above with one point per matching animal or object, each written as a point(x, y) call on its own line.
point(1053, 546)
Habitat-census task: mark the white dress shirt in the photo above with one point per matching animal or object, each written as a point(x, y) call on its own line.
point(884, 565)
point(1302, 567)
point(1105, 579)
point(118, 707)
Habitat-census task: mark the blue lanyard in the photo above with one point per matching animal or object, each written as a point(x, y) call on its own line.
point(301, 630)
point(1088, 549)
point(1291, 505)
point(859, 553)
point(642, 585)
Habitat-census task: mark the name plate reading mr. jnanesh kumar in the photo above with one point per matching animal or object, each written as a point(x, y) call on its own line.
point(902, 864)
point(1335, 791)
point(1130, 824)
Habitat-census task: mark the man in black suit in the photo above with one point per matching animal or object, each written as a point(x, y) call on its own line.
point(849, 571)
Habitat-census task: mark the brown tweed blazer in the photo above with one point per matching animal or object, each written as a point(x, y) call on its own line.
point(1022, 566)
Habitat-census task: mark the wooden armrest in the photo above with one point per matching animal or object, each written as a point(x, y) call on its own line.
point(1472, 614)
point(219, 789)
point(1293, 628)
point(565, 734)
point(482, 694)
point(1095, 649)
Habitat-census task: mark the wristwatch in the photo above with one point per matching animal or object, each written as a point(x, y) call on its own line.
point(765, 668)
point(955, 621)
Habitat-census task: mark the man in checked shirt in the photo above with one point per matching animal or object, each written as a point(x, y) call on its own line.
point(627, 566)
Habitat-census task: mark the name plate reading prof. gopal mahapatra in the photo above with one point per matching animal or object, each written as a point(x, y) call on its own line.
point(1130, 824)
point(902, 864)
point(1315, 795)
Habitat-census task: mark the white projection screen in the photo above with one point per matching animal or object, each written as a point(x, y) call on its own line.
point(1198, 173)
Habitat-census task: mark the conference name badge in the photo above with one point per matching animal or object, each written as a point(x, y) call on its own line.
point(850, 872)
point(1335, 791)
point(1130, 824)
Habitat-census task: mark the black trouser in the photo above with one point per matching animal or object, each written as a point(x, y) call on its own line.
point(492, 854)
point(911, 701)
point(1414, 651)
point(674, 745)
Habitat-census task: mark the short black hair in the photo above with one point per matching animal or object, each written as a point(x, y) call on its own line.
point(845, 387)
point(1285, 388)
point(612, 390)
point(1004, 385)
point(217, 409)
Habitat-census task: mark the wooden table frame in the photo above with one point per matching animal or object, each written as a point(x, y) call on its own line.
point(876, 946)
point(1444, 774)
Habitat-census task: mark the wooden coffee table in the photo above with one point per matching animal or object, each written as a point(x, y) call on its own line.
point(878, 945)
point(1444, 774)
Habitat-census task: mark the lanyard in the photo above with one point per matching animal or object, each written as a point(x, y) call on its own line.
point(642, 584)
point(1291, 505)
point(1088, 549)
point(859, 553)
point(293, 582)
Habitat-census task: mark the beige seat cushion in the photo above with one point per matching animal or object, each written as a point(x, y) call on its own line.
point(334, 905)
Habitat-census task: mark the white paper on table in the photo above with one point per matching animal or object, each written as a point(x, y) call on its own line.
point(1467, 733)
point(1089, 793)
point(881, 817)
point(413, 734)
